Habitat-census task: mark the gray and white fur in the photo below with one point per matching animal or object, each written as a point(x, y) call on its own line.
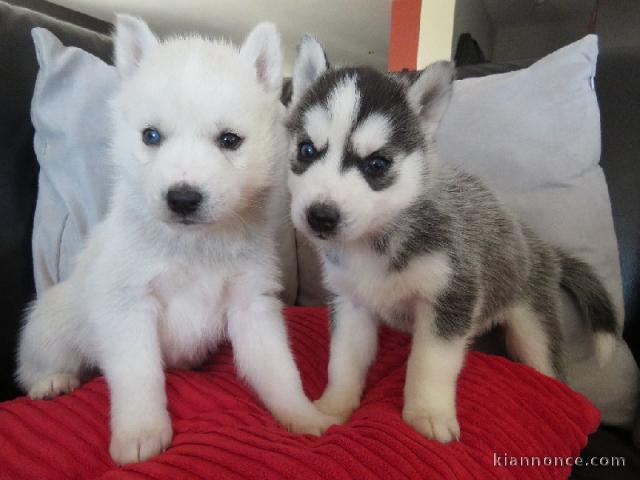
point(415, 244)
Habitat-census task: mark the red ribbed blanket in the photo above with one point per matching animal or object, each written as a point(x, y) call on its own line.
point(222, 430)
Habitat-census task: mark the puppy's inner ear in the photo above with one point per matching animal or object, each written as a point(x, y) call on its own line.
point(132, 40)
point(311, 62)
point(262, 50)
point(430, 94)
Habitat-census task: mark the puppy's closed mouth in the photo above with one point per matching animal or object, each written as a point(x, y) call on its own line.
point(185, 222)
point(325, 236)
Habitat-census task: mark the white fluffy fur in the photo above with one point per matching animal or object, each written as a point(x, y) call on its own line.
point(604, 344)
point(354, 344)
point(526, 339)
point(429, 95)
point(317, 121)
point(433, 365)
point(149, 291)
point(371, 135)
point(310, 63)
point(432, 373)
point(135, 39)
point(373, 277)
point(262, 49)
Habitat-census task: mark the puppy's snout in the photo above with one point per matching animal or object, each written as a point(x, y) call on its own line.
point(323, 218)
point(183, 199)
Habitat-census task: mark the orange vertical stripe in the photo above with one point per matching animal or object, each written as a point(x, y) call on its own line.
point(403, 41)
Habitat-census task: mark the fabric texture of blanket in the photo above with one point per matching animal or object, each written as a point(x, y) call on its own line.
point(508, 413)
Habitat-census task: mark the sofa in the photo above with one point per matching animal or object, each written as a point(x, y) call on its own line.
point(617, 80)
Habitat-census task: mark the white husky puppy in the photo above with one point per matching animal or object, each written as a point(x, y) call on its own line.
point(186, 254)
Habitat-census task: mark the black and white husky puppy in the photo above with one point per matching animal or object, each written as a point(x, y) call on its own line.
point(410, 242)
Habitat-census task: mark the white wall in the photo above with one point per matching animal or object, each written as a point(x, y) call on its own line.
point(353, 32)
point(436, 29)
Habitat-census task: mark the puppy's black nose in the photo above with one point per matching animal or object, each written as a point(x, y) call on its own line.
point(183, 199)
point(323, 218)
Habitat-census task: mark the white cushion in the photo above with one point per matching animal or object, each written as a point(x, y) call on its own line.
point(71, 142)
point(533, 136)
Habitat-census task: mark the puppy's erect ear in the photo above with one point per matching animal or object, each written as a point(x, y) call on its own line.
point(132, 39)
point(311, 62)
point(262, 50)
point(430, 94)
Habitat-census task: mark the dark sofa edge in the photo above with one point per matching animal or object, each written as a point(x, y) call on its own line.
point(65, 14)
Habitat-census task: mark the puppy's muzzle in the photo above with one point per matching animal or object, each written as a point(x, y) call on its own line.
point(323, 218)
point(184, 200)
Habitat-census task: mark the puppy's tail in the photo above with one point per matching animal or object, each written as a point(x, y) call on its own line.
point(594, 302)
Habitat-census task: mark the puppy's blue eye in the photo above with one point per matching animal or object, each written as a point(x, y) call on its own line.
point(151, 136)
point(229, 141)
point(376, 166)
point(306, 151)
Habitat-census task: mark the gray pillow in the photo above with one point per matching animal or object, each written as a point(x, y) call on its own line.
point(70, 115)
point(533, 135)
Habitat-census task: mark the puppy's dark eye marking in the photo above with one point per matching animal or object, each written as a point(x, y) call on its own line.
point(229, 141)
point(375, 165)
point(151, 136)
point(307, 152)
point(306, 155)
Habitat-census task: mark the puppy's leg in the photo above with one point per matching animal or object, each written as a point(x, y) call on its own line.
point(432, 374)
point(531, 336)
point(49, 361)
point(261, 349)
point(131, 360)
point(354, 343)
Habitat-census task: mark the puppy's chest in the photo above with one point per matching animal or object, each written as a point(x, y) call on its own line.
point(192, 319)
point(367, 279)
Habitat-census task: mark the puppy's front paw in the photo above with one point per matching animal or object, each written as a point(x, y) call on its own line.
point(137, 443)
point(54, 385)
point(312, 424)
point(338, 405)
point(441, 426)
